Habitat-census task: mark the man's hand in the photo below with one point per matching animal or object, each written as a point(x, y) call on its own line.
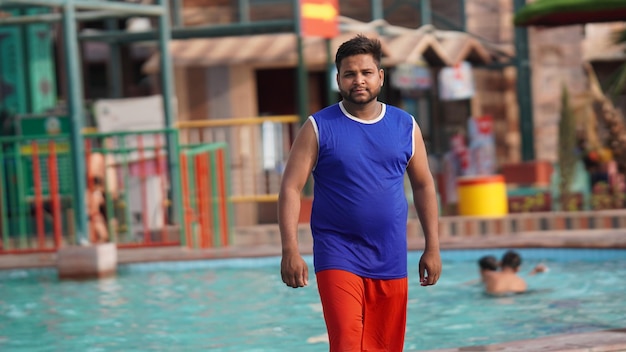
point(294, 271)
point(430, 267)
point(540, 268)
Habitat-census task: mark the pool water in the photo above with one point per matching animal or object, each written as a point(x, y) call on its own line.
point(242, 305)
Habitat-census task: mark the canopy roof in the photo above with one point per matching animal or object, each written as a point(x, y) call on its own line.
point(399, 44)
point(569, 12)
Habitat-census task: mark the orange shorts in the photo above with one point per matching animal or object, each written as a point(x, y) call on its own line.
point(363, 314)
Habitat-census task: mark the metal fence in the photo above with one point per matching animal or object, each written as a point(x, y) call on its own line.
point(130, 171)
point(35, 193)
point(258, 148)
point(205, 184)
point(132, 198)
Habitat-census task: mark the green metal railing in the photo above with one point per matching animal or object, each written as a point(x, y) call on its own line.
point(28, 185)
point(207, 209)
point(143, 193)
point(140, 185)
point(258, 151)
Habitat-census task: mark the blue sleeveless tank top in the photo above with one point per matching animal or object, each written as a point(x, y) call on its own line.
point(359, 213)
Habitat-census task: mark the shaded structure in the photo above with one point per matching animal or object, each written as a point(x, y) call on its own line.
point(437, 48)
point(70, 12)
point(568, 12)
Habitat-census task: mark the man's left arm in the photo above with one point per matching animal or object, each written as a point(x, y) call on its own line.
point(425, 200)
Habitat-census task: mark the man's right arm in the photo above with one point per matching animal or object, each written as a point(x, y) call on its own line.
point(302, 158)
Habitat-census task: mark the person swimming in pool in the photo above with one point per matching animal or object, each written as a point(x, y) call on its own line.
point(486, 265)
point(489, 264)
point(507, 280)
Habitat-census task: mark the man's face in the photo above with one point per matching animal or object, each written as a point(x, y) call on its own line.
point(359, 79)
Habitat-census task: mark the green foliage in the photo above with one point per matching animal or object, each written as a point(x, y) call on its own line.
point(567, 148)
point(617, 82)
point(619, 37)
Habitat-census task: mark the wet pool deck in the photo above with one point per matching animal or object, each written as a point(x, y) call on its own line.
point(264, 240)
point(601, 341)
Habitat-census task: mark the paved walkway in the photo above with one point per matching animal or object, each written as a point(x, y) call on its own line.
point(264, 240)
point(601, 341)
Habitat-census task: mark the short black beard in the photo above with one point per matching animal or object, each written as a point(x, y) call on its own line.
point(347, 97)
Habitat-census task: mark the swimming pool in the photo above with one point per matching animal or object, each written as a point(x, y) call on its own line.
point(242, 305)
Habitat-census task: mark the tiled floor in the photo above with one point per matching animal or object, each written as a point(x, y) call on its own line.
point(602, 341)
point(265, 241)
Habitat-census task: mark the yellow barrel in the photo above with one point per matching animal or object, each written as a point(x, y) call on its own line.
point(482, 195)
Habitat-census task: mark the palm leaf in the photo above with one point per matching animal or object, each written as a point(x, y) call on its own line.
point(619, 37)
point(617, 82)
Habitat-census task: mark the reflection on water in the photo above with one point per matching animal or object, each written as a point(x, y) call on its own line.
point(109, 295)
point(244, 306)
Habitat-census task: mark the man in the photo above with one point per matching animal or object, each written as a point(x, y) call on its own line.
point(487, 265)
point(506, 280)
point(358, 151)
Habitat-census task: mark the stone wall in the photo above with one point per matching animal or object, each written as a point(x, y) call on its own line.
point(491, 20)
point(556, 62)
point(496, 94)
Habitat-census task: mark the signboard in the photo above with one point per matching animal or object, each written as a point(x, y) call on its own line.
point(43, 125)
point(318, 18)
point(411, 77)
point(456, 83)
point(131, 114)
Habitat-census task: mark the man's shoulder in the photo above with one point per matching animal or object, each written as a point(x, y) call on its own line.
point(329, 111)
point(399, 114)
point(396, 110)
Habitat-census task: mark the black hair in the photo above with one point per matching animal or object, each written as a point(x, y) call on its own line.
point(511, 259)
point(97, 181)
point(488, 262)
point(357, 46)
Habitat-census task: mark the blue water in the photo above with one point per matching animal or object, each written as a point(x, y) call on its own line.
point(242, 305)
